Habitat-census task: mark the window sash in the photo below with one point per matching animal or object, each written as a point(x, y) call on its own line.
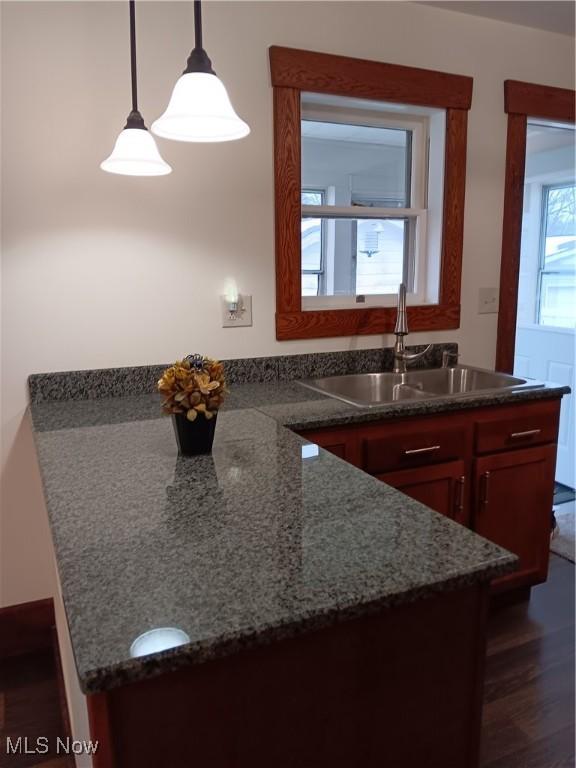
point(320, 273)
point(414, 262)
point(418, 128)
point(357, 212)
point(543, 271)
point(415, 266)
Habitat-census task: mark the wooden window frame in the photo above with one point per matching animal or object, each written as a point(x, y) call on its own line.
point(521, 101)
point(294, 71)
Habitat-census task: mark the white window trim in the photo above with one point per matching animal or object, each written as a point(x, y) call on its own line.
point(422, 292)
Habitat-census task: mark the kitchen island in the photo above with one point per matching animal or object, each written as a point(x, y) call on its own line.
point(330, 619)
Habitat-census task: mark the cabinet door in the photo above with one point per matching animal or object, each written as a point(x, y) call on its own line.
point(441, 487)
point(513, 504)
point(340, 442)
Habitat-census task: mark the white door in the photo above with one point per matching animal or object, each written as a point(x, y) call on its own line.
point(546, 316)
point(548, 354)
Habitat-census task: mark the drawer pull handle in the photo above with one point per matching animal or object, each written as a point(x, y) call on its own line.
point(526, 433)
point(460, 494)
point(429, 449)
point(484, 493)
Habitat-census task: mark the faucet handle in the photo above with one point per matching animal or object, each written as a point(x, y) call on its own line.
point(448, 355)
point(417, 355)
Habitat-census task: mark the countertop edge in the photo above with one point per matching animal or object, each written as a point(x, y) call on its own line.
point(189, 655)
point(363, 415)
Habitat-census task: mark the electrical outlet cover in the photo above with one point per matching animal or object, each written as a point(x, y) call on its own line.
point(487, 301)
point(243, 317)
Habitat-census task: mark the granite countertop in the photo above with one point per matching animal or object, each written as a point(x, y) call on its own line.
point(266, 538)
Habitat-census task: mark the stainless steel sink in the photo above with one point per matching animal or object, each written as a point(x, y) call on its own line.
point(462, 379)
point(373, 389)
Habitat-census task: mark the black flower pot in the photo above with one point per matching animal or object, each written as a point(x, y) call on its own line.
point(194, 437)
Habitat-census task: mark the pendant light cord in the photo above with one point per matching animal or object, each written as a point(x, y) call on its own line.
point(133, 55)
point(134, 118)
point(198, 23)
point(198, 60)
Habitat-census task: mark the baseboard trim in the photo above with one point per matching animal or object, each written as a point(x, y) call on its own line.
point(26, 627)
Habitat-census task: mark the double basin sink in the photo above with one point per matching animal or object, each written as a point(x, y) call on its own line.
point(368, 390)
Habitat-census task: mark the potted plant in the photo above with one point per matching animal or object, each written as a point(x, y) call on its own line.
point(193, 390)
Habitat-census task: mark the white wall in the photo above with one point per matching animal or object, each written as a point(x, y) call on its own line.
point(99, 270)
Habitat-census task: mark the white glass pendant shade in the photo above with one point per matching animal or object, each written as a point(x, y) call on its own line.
point(200, 110)
point(135, 154)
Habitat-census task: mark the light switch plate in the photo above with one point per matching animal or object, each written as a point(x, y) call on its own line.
point(243, 316)
point(487, 301)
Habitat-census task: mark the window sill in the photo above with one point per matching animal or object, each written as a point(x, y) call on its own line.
point(314, 324)
point(372, 301)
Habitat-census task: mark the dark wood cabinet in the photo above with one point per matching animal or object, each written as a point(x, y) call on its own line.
point(400, 688)
point(441, 487)
point(491, 469)
point(513, 492)
point(342, 442)
point(405, 445)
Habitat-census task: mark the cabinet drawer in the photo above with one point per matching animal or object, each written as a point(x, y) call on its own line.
point(412, 448)
point(530, 426)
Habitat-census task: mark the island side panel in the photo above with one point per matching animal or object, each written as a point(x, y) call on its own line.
point(402, 687)
point(75, 699)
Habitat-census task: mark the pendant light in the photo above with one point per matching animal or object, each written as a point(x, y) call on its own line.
point(199, 109)
point(135, 152)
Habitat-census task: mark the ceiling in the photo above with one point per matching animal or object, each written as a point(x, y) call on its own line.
point(549, 15)
point(360, 134)
point(540, 137)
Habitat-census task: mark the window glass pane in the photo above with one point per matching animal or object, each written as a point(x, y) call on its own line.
point(558, 300)
point(310, 285)
point(379, 255)
point(312, 197)
point(360, 256)
point(311, 244)
point(560, 229)
point(558, 269)
point(361, 165)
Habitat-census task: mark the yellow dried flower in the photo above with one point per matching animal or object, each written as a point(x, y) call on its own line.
point(204, 384)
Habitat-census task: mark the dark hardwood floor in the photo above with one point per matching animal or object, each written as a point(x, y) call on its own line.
point(529, 690)
point(529, 693)
point(30, 707)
